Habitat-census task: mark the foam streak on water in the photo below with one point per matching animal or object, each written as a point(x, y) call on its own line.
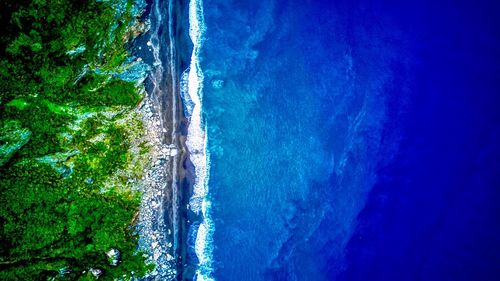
point(196, 144)
point(186, 99)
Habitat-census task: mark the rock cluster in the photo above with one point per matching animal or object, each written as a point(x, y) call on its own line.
point(154, 234)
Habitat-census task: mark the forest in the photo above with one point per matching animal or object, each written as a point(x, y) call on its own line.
point(67, 127)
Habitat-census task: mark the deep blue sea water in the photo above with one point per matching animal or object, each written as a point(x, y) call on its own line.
point(352, 140)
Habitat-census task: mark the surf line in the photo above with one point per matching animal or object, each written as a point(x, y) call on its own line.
point(196, 143)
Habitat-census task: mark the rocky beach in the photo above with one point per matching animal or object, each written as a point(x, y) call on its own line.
point(159, 225)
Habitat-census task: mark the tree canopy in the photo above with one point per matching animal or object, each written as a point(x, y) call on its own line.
point(61, 208)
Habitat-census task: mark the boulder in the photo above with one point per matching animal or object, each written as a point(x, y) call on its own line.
point(113, 256)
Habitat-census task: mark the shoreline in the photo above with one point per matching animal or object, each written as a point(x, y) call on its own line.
point(198, 213)
point(162, 220)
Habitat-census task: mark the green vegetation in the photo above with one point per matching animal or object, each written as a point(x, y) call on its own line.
point(66, 136)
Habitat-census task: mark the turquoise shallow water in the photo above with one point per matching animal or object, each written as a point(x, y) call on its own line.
point(339, 136)
point(293, 126)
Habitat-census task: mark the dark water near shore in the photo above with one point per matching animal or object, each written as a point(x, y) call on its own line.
point(352, 140)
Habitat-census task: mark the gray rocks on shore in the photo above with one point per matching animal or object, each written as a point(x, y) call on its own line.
point(154, 234)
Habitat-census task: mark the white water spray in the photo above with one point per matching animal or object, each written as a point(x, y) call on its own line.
point(197, 145)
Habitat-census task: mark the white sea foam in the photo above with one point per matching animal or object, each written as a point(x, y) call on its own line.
point(197, 145)
point(186, 99)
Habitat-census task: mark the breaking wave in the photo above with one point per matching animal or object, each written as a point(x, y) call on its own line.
point(197, 143)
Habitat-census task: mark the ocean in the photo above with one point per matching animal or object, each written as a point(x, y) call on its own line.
point(345, 140)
